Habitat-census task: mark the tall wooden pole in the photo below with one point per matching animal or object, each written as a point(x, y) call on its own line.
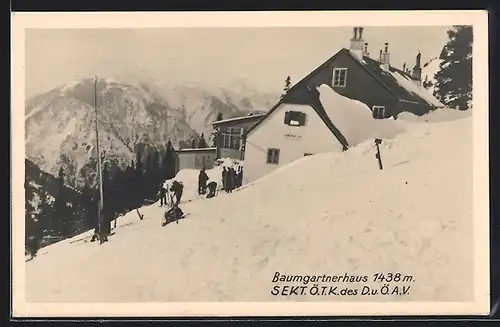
point(101, 198)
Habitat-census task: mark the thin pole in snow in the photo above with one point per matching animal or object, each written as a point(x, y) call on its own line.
point(99, 169)
point(377, 142)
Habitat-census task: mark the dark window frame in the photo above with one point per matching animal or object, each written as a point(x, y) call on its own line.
point(295, 116)
point(378, 112)
point(273, 156)
point(337, 77)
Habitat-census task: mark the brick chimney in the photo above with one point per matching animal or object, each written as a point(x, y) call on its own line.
point(385, 57)
point(356, 46)
point(416, 74)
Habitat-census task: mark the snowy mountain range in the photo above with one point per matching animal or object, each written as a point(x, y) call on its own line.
point(60, 124)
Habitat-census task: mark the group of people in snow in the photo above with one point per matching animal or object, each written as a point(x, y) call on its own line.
point(176, 188)
point(231, 178)
point(174, 212)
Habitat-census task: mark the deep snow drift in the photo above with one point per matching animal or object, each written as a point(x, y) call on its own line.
point(354, 119)
point(323, 214)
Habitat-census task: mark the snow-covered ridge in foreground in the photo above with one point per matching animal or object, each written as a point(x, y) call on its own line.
point(324, 214)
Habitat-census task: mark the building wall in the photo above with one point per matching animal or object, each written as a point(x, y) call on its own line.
point(195, 159)
point(312, 138)
point(360, 85)
point(230, 153)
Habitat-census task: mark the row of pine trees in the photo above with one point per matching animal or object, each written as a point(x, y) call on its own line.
point(129, 188)
point(72, 212)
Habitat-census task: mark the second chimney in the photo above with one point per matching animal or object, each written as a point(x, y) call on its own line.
point(385, 58)
point(365, 52)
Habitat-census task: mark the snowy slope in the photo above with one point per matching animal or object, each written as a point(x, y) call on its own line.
point(323, 214)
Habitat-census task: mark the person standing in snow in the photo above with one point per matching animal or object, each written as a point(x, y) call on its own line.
point(177, 188)
point(163, 196)
point(202, 182)
point(239, 177)
point(231, 179)
point(224, 179)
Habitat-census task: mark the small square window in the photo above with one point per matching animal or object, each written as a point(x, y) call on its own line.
point(273, 156)
point(340, 77)
point(378, 112)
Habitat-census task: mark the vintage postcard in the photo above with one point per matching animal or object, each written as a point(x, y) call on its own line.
point(250, 164)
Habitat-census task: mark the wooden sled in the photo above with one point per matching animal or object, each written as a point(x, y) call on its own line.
point(171, 215)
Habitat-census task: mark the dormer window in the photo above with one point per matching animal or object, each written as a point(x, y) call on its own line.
point(295, 118)
point(340, 77)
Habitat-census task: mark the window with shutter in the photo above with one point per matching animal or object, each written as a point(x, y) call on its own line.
point(287, 118)
point(295, 118)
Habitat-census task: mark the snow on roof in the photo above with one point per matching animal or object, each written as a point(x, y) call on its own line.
point(196, 149)
point(357, 57)
point(237, 118)
point(410, 86)
point(354, 119)
point(435, 116)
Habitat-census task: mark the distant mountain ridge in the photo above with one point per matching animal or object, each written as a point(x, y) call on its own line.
point(60, 124)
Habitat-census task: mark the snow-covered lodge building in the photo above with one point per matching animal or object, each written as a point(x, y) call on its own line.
point(298, 125)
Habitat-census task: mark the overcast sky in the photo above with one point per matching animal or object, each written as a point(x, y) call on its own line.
point(262, 57)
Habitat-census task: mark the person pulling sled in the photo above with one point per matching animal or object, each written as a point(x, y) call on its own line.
point(174, 213)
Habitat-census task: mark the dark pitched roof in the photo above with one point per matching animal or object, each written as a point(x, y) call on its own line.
point(371, 66)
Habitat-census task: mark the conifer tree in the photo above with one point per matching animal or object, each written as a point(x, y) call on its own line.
point(287, 86)
point(61, 212)
point(202, 143)
point(168, 162)
point(454, 77)
point(215, 136)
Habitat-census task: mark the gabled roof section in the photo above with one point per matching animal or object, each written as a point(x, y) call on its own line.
point(315, 103)
point(397, 82)
point(295, 87)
